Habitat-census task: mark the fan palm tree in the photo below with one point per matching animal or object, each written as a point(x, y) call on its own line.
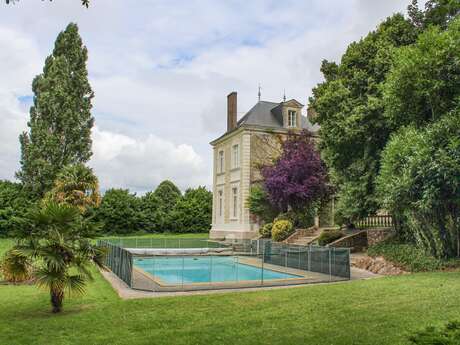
point(76, 185)
point(15, 267)
point(60, 244)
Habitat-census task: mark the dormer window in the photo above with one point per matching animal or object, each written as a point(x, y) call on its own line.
point(292, 118)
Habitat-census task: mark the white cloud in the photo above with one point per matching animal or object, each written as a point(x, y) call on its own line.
point(142, 163)
point(13, 121)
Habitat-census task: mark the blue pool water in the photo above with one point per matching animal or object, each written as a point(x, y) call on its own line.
point(204, 269)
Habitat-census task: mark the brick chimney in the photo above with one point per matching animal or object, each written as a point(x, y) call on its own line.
point(231, 111)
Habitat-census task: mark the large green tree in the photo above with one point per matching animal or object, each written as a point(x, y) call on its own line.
point(420, 176)
point(424, 82)
point(60, 118)
point(167, 195)
point(420, 182)
point(358, 112)
point(436, 12)
point(349, 108)
point(152, 214)
point(120, 212)
point(192, 213)
point(15, 203)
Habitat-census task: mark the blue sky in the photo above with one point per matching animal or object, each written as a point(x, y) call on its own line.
point(161, 71)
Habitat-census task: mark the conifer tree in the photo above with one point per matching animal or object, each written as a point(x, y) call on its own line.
point(60, 117)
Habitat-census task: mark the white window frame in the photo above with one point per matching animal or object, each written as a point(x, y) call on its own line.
point(292, 118)
point(235, 156)
point(220, 161)
point(220, 204)
point(235, 202)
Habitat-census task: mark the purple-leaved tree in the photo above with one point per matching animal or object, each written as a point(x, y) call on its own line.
point(299, 177)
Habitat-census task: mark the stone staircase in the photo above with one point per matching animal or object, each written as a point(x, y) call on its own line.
point(304, 237)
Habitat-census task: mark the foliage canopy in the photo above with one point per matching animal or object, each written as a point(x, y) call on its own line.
point(60, 117)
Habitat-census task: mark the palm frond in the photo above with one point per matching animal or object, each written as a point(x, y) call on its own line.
point(15, 266)
point(75, 284)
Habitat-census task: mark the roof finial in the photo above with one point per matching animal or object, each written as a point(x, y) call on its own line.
point(284, 95)
point(259, 94)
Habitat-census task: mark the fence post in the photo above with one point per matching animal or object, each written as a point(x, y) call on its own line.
point(183, 268)
point(330, 263)
point(285, 257)
point(263, 261)
point(210, 270)
point(309, 258)
point(298, 254)
point(237, 264)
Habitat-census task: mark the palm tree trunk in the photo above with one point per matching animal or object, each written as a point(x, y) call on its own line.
point(56, 300)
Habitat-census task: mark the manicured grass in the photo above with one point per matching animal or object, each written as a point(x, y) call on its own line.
point(379, 311)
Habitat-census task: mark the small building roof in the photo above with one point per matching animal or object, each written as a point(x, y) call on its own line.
point(267, 114)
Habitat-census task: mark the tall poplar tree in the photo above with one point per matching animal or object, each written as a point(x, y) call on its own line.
point(60, 118)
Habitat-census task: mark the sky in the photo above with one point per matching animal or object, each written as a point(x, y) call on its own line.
point(161, 71)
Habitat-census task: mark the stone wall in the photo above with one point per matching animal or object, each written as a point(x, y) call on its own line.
point(377, 265)
point(265, 149)
point(378, 235)
point(356, 242)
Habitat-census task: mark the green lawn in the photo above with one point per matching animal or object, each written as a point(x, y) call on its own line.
point(380, 311)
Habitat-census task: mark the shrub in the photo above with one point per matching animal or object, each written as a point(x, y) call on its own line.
point(120, 212)
point(408, 256)
point(15, 267)
point(419, 183)
point(448, 335)
point(281, 230)
point(329, 236)
point(266, 230)
point(15, 203)
point(301, 218)
point(193, 211)
point(289, 216)
point(259, 204)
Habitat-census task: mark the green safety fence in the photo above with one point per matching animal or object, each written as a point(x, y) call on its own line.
point(153, 270)
point(326, 260)
point(168, 243)
point(119, 260)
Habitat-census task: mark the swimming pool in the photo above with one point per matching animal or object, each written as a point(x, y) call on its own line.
point(205, 269)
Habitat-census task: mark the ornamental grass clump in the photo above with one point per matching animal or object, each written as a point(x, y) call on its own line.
point(281, 230)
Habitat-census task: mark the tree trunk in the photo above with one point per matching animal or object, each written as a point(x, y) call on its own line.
point(56, 300)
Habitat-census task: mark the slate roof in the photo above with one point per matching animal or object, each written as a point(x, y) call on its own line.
point(268, 114)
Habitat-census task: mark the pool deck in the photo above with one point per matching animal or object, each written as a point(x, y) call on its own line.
point(125, 292)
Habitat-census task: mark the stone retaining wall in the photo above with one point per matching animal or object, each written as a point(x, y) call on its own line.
point(378, 235)
point(356, 242)
point(377, 265)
